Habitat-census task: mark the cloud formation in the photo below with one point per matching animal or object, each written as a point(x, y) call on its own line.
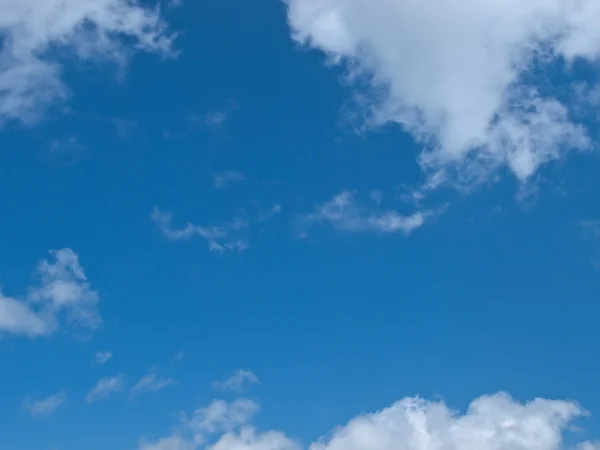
point(237, 382)
point(492, 422)
point(45, 407)
point(217, 418)
point(460, 76)
point(216, 120)
point(33, 34)
point(105, 387)
point(151, 383)
point(62, 291)
point(102, 357)
point(344, 213)
point(227, 236)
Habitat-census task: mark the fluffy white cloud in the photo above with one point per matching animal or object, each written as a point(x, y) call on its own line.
point(221, 416)
point(345, 213)
point(458, 74)
point(62, 290)
point(220, 238)
point(151, 383)
point(33, 33)
point(249, 439)
point(64, 286)
point(237, 382)
point(494, 422)
point(17, 317)
point(45, 407)
point(171, 443)
point(105, 387)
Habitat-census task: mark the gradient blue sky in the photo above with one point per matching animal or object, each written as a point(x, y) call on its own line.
point(337, 204)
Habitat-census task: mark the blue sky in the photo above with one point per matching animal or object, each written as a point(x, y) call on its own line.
point(325, 224)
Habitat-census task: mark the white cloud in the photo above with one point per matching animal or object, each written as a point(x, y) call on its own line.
point(219, 238)
point(102, 357)
point(223, 179)
point(221, 416)
point(62, 290)
point(17, 317)
point(31, 32)
point(105, 387)
point(45, 407)
point(237, 382)
point(588, 445)
point(170, 443)
point(151, 383)
point(458, 75)
point(249, 439)
point(344, 213)
point(494, 422)
point(64, 286)
point(217, 119)
point(268, 215)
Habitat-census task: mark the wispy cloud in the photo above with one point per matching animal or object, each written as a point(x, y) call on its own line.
point(269, 214)
point(71, 146)
point(345, 213)
point(30, 74)
point(105, 387)
point(45, 407)
point(151, 383)
point(237, 382)
point(62, 289)
point(216, 120)
point(102, 357)
point(590, 231)
point(227, 236)
point(124, 127)
point(224, 179)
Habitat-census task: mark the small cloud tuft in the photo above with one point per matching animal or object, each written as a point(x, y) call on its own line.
point(237, 382)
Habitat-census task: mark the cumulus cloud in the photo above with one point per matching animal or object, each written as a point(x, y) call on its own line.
point(33, 34)
point(62, 291)
point(345, 213)
point(151, 383)
point(227, 236)
point(45, 407)
point(219, 417)
point(237, 382)
point(459, 76)
point(105, 387)
point(492, 422)
point(170, 443)
point(64, 286)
